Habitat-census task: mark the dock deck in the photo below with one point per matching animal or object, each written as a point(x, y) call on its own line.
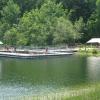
point(32, 55)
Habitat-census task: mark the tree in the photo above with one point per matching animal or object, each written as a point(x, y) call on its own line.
point(36, 26)
point(79, 8)
point(3, 28)
point(94, 22)
point(65, 31)
point(10, 13)
point(27, 5)
point(10, 37)
point(98, 17)
point(2, 4)
point(46, 26)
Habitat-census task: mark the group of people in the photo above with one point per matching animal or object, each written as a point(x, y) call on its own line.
point(10, 49)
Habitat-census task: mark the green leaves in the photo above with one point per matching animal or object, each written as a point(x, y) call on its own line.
point(10, 12)
point(10, 37)
point(46, 26)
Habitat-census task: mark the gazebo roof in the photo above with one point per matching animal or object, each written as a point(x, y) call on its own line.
point(94, 40)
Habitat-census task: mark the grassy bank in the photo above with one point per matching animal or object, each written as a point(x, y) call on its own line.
point(91, 92)
point(88, 51)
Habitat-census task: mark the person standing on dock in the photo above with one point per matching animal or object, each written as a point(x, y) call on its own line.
point(46, 50)
point(14, 49)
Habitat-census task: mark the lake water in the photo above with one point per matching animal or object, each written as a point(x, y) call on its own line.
point(21, 77)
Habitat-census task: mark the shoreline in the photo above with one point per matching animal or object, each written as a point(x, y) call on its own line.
point(88, 52)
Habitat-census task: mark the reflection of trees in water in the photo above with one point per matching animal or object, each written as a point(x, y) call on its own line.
point(93, 68)
point(0, 70)
point(63, 71)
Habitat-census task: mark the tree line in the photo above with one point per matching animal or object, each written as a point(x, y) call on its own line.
point(48, 22)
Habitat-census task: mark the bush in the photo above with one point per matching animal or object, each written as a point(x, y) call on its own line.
point(95, 51)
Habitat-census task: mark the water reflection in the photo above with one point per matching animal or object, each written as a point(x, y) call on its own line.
point(58, 71)
point(0, 69)
point(93, 68)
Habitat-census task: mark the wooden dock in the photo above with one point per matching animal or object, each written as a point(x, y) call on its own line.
point(32, 55)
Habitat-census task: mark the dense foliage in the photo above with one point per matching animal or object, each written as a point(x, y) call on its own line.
point(48, 22)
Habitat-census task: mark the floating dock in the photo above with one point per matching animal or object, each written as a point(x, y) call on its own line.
point(32, 55)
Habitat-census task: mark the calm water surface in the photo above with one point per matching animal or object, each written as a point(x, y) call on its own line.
point(41, 76)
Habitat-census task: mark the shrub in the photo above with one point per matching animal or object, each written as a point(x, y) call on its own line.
point(95, 51)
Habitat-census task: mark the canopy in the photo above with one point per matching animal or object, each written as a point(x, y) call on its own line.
point(94, 40)
point(1, 42)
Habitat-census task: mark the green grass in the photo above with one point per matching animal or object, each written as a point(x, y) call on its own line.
point(91, 95)
point(85, 92)
point(88, 51)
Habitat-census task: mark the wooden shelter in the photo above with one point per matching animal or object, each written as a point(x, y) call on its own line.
point(94, 41)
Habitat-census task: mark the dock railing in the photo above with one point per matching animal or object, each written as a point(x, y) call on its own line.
point(36, 48)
